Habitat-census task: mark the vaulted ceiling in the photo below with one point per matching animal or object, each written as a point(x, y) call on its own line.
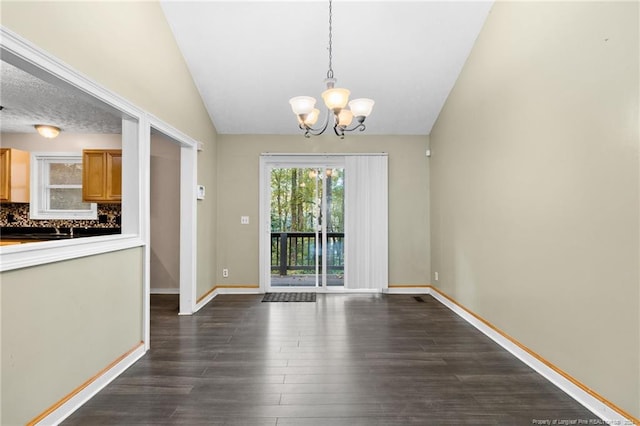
point(249, 57)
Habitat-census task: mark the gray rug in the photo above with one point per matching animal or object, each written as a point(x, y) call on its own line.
point(289, 297)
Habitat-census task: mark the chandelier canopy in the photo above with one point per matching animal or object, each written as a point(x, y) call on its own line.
point(336, 100)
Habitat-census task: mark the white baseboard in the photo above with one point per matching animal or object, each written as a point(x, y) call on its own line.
point(590, 402)
point(225, 290)
point(83, 395)
point(164, 291)
point(208, 298)
point(407, 290)
point(239, 290)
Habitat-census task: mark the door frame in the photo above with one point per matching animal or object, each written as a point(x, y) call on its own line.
point(188, 215)
point(267, 162)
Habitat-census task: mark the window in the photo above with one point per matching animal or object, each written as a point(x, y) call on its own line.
point(56, 188)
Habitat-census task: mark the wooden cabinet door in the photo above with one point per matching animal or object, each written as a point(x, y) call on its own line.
point(114, 175)
point(14, 175)
point(102, 175)
point(5, 173)
point(93, 172)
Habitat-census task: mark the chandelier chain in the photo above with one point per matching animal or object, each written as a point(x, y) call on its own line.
point(330, 72)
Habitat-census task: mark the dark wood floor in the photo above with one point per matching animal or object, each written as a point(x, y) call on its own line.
point(344, 360)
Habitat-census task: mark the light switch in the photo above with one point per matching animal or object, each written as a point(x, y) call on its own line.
point(200, 191)
point(244, 220)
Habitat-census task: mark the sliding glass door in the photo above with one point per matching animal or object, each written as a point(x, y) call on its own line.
point(323, 222)
point(306, 207)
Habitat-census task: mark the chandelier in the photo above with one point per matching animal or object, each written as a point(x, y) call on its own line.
point(336, 99)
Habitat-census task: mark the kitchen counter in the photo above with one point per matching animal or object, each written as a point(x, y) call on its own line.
point(18, 235)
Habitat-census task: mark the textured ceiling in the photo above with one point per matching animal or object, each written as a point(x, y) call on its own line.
point(28, 100)
point(248, 58)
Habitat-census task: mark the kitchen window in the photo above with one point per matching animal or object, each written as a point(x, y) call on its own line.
point(56, 188)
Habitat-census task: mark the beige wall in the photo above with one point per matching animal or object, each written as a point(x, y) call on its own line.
point(535, 187)
point(165, 214)
point(238, 195)
point(207, 221)
point(128, 48)
point(62, 323)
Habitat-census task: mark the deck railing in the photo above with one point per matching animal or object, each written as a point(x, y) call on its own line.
point(296, 251)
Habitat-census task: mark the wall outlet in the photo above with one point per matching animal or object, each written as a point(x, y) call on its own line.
point(436, 276)
point(244, 220)
point(225, 273)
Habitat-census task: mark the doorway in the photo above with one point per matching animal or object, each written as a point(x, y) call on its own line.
point(302, 214)
point(179, 153)
point(338, 239)
point(164, 207)
point(306, 210)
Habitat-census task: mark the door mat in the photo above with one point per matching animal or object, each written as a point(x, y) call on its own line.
point(289, 297)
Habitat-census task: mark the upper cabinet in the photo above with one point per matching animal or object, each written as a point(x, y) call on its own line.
point(14, 176)
point(102, 175)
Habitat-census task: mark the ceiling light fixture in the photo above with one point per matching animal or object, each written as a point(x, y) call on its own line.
point(336, 100)
point(47, 131)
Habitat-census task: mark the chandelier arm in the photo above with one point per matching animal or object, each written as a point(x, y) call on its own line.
point(359, 126)
point(308, 131)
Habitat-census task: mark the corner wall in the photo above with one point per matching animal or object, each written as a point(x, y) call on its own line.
point(535, 187)
point(238, 195)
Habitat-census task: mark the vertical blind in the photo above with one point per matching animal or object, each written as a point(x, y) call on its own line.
point(366, 222)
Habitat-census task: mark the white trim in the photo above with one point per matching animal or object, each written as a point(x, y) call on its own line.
point(188, 212)
point(20, 52)
point(224, 290)
point(201, 304)
point(264, 226)
point(75, 402)
point(597, 407)
point(238, 290)
point(25, 255)
point(40, 181)
point(268, 161)
point(406, 290)
point(164, 290)
point(188, 228)
point(324, 290)
point(328, 155)
point(144, 212)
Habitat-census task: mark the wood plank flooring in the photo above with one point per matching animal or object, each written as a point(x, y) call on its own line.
point(345, 360)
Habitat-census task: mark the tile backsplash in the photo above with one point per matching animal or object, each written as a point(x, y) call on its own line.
point(17, 215)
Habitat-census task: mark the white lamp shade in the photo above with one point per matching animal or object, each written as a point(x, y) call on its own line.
point(361, 107)
point(345, 117)
point(47, 131)
point(311, 118)
point(336, 98)
point(302, 104)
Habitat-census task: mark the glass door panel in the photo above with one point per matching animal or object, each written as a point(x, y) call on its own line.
point(306, 250)
point(334, 229)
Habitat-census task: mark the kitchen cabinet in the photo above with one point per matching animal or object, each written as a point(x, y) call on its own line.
point(102, 175)
point(14, 176)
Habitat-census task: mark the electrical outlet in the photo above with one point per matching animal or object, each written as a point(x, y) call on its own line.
point(436, 276)
point(244, 220)
point(225, 273)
